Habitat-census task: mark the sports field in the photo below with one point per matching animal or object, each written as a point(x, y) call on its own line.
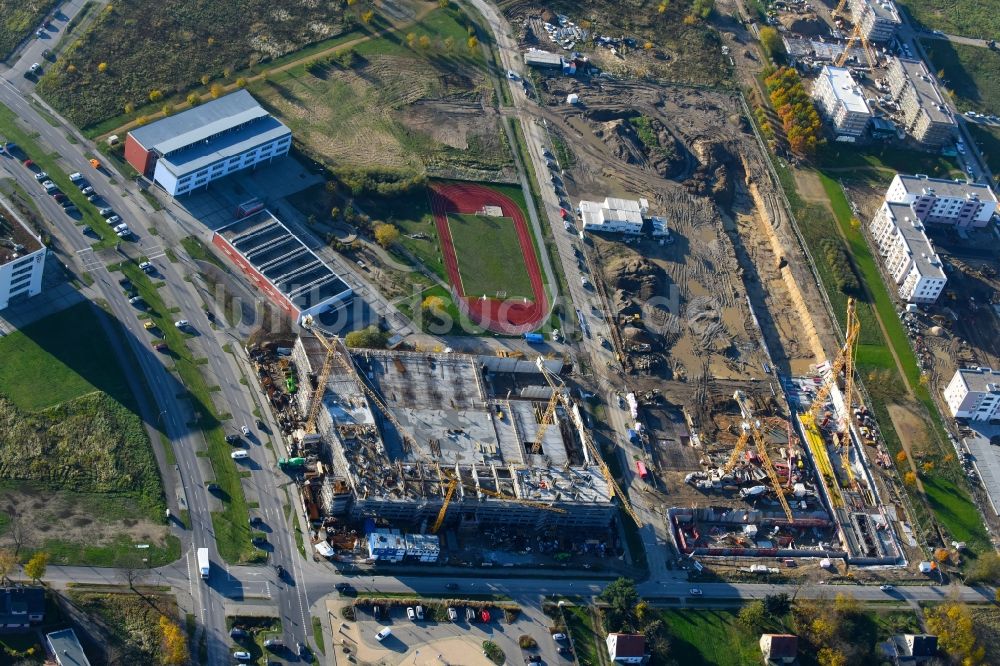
point(489, 256)
point(491, 261)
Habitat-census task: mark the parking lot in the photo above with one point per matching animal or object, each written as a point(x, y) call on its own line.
point(430, 642)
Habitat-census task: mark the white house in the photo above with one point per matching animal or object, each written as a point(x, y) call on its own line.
point(779, 648)
point(974, 394)
point(842, 102)
point(626, 648)
point(940, 201)
point(907, 253)
point(613, 215)
point(22, 258)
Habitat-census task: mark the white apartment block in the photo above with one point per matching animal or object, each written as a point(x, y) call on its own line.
point(907, 253)
point(974, 394)
point(22, 259)
point(879, 19)
point(623, 216)
point(926, 118)
point(841, 102)
point(939, 201)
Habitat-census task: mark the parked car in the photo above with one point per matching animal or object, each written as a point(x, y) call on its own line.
point(239, 454)
point(236, 632)
point(420, 612)
point(87, 191)
point(246, 430)
point(146, 266)
point(106, 212)
point(76, 176)
point(113, 219)
point(559, 637)
point(40, 176)
point(232, 439)
point(182, 323)
point(886, 588)
point(695, 592)
point(273, 643)
point(383, 634)
point(410, 613)
point(241, 654)
point(452, 614)
point(159, 346)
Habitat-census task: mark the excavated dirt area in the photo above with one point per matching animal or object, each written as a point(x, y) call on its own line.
point(732, 241)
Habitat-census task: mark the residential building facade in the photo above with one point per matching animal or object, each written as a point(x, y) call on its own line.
point(926, 117)
point(907, 253)
point(841, 102)
point(974, 394)
point(624, 216)
point(187, 151)
point(879, 19)
point(940, 201)
point(22, 258)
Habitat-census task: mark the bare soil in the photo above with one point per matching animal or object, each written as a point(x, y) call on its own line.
point(70, 517)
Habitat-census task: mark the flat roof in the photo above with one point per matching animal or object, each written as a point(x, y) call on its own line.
point(613, 209)
point(845, 89)
point(981, 380)
point(885, 10)
point(262, 130)
point(915, 237)
point(67, 648)
point(928, 94)
point(944, 187)
point(199, 122)
point(542, 57)
point(14, 232)
point(284, 260)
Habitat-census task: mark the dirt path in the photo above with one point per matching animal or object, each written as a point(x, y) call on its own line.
point(811, 189)
point(228, 88)
point(905, 421)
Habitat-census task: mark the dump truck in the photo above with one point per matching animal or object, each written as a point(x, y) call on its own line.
point(203, 565)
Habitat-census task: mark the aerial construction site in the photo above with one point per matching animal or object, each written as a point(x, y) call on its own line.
point(422, 442)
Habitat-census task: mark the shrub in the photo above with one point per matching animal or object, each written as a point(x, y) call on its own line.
point(526, 642)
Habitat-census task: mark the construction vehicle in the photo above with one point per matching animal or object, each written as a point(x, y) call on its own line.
point(291, 463)
point(752, 425)
point(595, 453)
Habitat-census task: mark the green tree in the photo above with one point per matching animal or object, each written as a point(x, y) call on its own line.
point(217, 90)
point(367, 338)
point(424, 42)
point(472, 43)
point(770, 39)
point(985, 569)
point(8, 563)
point(241, 82)
point(155, 96)
point(205, 78)
point(129, 108)
point(621, 598)
point(953, 625)
point(102, 67)
point(367, 17)
point(752, 616)
point(777, 605)
point(36, 566)
point(194, 99)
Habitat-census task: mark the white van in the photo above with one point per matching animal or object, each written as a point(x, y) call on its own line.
point(239, 454)
point(383, 634)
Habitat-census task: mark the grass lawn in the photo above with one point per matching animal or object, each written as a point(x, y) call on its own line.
point(988, 140)
point(18, 19)
point(709, 637)
point(59, 358)
point(399, 105)
point(232, 531)
point(969, 18)
point(489, 256)
point(580, 625)
point(130, 620)
point(970, 73)
point(64, 397)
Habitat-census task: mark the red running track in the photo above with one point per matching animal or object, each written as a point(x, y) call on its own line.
point(511, 316)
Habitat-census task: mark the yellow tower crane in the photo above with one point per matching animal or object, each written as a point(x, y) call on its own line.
point(840, 8)
point(753, 425)
point(548, 418)
point(843, 361)
point(560, 389)
point(738, 449)
point(865, 46)
point(444, 506)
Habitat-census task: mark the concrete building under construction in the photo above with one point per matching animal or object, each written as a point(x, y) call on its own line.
point(402, 428)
